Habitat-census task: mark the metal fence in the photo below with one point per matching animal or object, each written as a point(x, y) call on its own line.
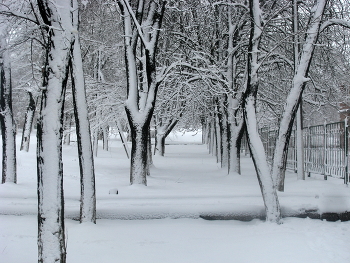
point(326, 149)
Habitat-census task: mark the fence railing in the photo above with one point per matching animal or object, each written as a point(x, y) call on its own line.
point(326, 149)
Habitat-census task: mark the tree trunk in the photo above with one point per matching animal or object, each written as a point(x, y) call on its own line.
point(67, 127)
point(8, 127)
point(217, 139)
point(86, 160)
point(235, 147)
point(162, 132)
point(299, 130)
point(28, 123)
point(267, 187)
point(51, 235)
point(105, 134)
point(294, 96)
point(160, 144)
point(95, 143)
point(236, 129)
point(212, 137)
point(141, 77)
point(224, 132)
point(123, 139)
point(139, 168)
point(149, 151)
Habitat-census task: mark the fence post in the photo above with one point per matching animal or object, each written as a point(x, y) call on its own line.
point(346, 145)
point(308, 138)
point(299, 143)
point(325, 150)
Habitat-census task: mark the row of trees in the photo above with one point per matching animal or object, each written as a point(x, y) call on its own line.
point(221, 66)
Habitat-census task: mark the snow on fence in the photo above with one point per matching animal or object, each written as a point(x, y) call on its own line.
point(326, 149)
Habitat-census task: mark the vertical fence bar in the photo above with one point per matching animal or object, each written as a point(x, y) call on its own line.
point(325, 151)
point(346, 151)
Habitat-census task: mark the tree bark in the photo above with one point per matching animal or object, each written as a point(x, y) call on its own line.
point(139, 167)
point(8, 127)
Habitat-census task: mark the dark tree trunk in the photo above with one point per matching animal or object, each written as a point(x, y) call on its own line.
point(224, 132)
point(123, 139)
point(236, 135)
point(28, 123)
point(105, 134)
point(67, 127)
point(139, 168)
point(161, 133)
point(149, 148)
point(8, 127)
point(141, 77)
point(95, 141)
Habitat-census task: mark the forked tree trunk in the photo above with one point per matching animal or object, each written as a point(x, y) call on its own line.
point(8, 127)
point(28, 123)
point(140, 44)
point(267, 187)
point(161, 133)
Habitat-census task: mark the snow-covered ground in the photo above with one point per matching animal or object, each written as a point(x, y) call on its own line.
point(163, 222)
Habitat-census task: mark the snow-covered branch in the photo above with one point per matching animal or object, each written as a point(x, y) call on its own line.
point(332, 22)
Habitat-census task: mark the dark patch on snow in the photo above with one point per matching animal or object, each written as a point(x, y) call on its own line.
point(244, 216)
point(312, 214)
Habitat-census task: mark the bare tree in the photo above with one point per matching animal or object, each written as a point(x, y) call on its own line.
point(141, 39)
point(268, 190)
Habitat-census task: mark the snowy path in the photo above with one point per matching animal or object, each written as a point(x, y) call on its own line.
point(187, 182)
